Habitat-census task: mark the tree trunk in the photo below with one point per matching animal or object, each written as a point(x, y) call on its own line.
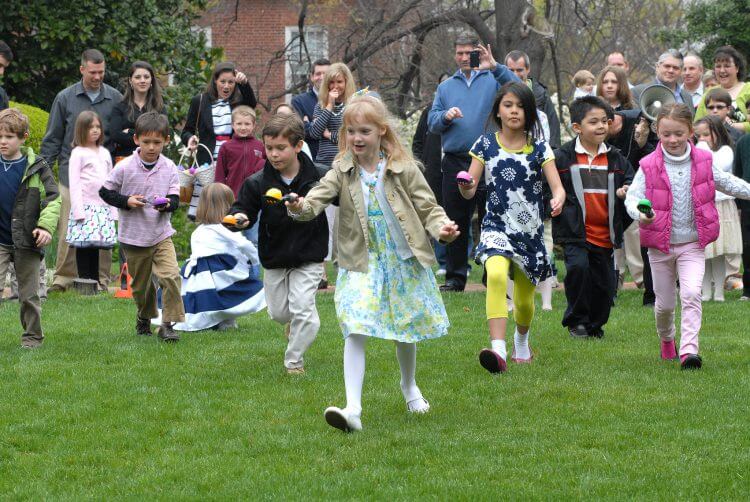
point(511, 35)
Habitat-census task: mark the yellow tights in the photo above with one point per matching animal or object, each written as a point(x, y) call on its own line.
point(498, 269)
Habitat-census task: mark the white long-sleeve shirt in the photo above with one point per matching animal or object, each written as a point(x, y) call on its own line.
point(679, 173)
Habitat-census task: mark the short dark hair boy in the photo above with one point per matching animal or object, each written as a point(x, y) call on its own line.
point(29, 198)
point(291, 252)
point(144, 230)
point(595, 177)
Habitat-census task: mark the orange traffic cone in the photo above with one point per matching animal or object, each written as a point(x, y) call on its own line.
point(125, 290)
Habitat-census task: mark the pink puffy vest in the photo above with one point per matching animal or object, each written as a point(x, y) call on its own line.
point(659, 192)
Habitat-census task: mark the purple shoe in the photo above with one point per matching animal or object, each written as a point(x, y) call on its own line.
point(668, 350)
point(492, 362)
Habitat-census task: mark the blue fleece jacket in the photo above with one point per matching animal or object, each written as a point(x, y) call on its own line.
point(474, 98)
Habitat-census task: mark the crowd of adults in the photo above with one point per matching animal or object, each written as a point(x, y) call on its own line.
point(446, 131)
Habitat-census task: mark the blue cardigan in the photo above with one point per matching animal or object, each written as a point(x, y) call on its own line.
point(304, 105)
point(474, 97)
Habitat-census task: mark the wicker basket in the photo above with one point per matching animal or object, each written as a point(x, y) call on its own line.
point(206, 174)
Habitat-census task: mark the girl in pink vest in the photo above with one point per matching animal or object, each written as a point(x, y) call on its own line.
point(681, 182)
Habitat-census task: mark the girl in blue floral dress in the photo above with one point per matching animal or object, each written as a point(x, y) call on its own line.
point(512, 238)
point(385, 287)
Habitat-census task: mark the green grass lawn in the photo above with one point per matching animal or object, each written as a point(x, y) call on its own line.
point(100, 413)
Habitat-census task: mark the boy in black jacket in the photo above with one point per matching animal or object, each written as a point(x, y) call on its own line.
point(596, 177)
point(291, 252)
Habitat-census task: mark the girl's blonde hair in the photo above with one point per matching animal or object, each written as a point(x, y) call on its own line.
point(215, 201)
point(83, 123)
point(336, 70)
point(369, 109)
point(676, 111)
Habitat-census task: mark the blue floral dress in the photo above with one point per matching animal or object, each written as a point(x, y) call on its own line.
point(395, 299)
point(513, 225)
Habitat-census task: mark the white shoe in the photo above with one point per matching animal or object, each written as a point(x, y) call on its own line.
point(440, 272)
point(342, 420)
point(419, 405)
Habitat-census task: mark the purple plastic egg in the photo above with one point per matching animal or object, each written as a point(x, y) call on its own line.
point(160, 201)
point(464, 178)
point(191, 170)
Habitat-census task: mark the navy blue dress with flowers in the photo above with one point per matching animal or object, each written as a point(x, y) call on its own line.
point(513, 225)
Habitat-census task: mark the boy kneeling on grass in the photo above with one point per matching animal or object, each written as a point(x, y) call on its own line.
point(596, 178)
point(29, 209)
point(145, 233)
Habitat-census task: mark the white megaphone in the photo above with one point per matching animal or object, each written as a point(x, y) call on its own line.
point(653, 99)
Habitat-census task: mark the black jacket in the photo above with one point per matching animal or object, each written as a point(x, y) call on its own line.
point(427, 148)
point(121, 142)
point(282, 241)
point(569, 227)
point(544, 103)
point(200, 113)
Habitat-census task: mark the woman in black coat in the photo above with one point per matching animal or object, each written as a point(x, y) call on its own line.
point(142, 94)
point(209, 120)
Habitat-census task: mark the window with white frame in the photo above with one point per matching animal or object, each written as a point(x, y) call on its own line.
point(297, 62)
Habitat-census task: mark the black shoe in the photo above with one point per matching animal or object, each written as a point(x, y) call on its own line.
point(167, 333)
point(323, 284)
point(596, 333)
point(578, 331)
point(451, 287)
point(142, 326)
point(691, 362)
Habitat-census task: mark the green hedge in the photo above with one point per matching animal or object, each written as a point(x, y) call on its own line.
point(38, 124)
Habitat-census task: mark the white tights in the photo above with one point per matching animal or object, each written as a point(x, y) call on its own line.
point(354, 371)
point(716, 271)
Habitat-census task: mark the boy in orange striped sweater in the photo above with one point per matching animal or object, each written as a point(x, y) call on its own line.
point(596, 178)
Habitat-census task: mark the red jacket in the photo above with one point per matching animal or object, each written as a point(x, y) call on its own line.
point(239, 158)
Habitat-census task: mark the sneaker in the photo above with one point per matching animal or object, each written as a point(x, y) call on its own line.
point(30, 343)
point(342, 420)
point(492, 362)
point(578, 331)
point(167, 333)
point(691, 362)
point(419, 405)
point(295, 371)
point(142, 326)
point(732, 282)
point(440, 272)
point(522, 361)
point(226, 324)
point(668, 350)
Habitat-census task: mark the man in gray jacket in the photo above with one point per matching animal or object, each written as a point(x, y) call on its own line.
point(91, 93)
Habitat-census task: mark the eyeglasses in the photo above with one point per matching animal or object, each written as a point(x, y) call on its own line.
point(716, 107)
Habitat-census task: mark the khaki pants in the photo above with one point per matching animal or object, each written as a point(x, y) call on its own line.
point(42, 280)
point(27, 271)
point(290, 296)
point(65, 268)
point(161, 261)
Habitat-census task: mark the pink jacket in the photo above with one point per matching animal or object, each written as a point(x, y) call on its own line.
point(659, 192)
point(87, 172)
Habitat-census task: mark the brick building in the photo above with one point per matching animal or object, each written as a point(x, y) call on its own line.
point(262, 38)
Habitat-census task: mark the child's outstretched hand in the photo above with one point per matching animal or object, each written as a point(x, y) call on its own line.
point(296, 205)
point(242, 220)
point(42, 237)
point(557, 204)
point(449, 232)
point(136, 201)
